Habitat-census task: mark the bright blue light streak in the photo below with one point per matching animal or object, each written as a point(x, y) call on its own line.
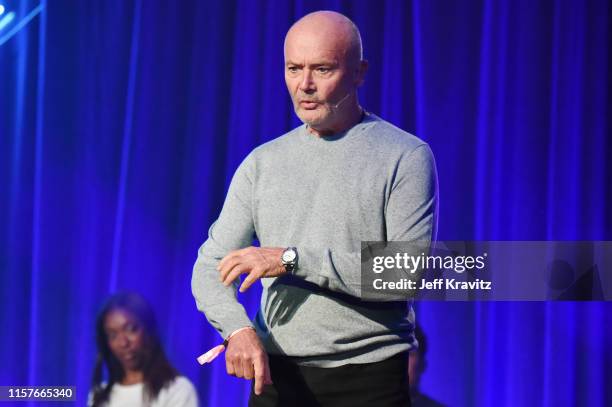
point(34, 349)
point(125, 148)
point(20, 25)
point(6, 20)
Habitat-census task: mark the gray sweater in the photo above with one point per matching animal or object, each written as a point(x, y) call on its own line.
point(323, 196)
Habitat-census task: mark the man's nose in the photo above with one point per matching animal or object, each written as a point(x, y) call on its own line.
point(306, 82)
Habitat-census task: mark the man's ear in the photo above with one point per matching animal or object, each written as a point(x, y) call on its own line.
point(361, 72)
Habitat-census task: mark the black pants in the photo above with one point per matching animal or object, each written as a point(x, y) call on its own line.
point(380, 384)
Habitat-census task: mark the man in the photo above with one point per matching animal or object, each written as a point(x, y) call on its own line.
point(311, 196)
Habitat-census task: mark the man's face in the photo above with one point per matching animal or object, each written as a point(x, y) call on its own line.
point(318, 76)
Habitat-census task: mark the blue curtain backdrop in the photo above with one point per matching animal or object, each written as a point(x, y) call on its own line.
point(121, 123)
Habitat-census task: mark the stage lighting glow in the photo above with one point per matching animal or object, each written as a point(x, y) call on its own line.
point(6, 20)
point(12, 19)
point(1, 9)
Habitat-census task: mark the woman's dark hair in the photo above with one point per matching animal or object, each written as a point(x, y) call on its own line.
point(157, 370)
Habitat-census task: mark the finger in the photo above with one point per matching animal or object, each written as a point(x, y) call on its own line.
point(253, 276)
point(237, 362)
point(247, 369)
point(229, 366)
point(231, 255)
point(229, 265)
point(225, 260)
point(262, 374)
point(259, 382)
point(235, 273)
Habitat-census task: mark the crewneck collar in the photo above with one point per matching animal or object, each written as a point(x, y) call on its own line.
point(366, 121)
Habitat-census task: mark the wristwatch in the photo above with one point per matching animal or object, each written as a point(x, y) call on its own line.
point(289, 259)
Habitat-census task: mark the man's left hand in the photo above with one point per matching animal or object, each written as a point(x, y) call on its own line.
point(257, 262)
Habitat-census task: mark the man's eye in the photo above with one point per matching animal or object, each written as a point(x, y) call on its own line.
point(292, 69)
point(323, 70)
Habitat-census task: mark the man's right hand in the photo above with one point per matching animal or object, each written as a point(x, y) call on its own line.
point(245, 357)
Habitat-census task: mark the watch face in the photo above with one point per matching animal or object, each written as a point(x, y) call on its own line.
point(289, 255)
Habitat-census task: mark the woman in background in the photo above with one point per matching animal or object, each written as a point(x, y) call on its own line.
point(138, 372)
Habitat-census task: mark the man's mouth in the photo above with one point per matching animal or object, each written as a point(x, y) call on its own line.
point(308, 104)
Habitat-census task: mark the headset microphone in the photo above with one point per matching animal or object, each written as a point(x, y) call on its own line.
point(334, 107)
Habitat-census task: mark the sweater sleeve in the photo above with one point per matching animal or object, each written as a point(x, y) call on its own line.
point(410, 215)
point(234, 229)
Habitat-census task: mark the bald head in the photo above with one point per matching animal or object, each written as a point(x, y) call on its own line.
point(323, 69)
point(333, 29)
